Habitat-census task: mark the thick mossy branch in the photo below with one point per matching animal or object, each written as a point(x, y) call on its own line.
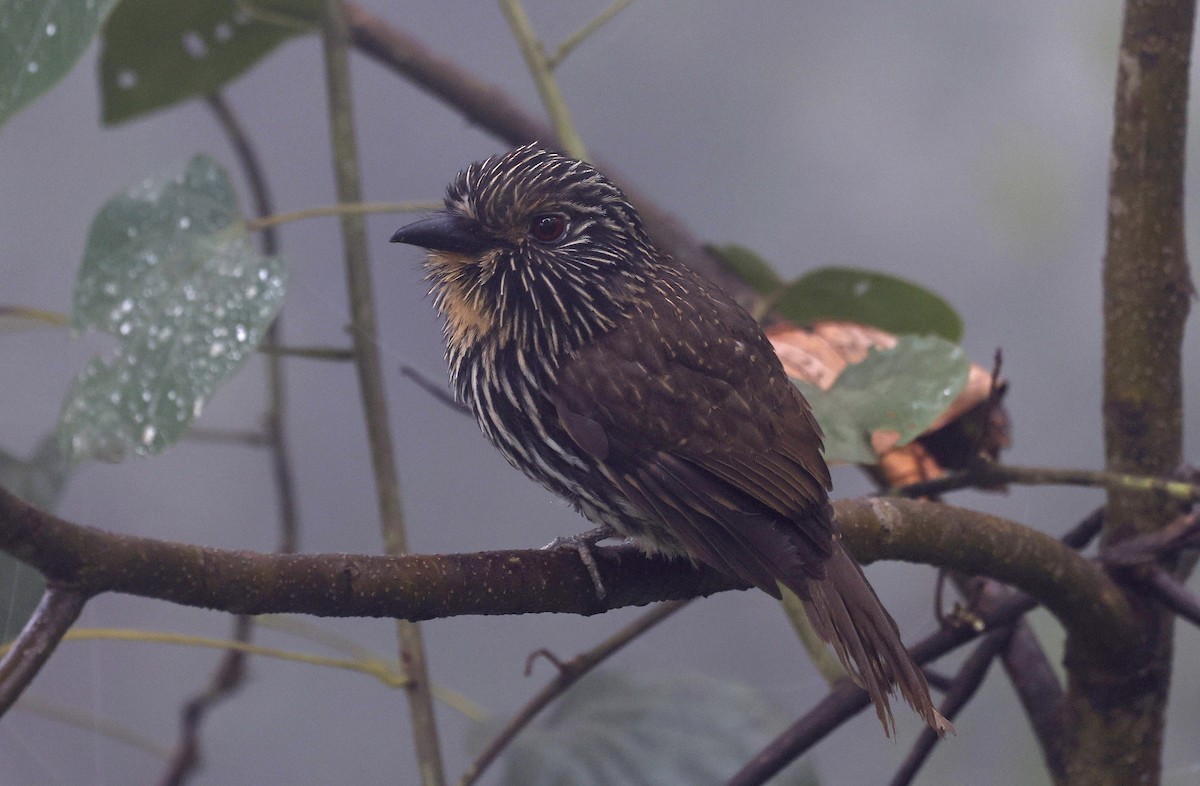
point(421, 587)
point(1087, 602)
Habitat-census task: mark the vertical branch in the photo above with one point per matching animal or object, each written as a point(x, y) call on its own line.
point(276, 433)
point(336, 40)
point(1147, 287)
point(231, 669)
point(1115, 715)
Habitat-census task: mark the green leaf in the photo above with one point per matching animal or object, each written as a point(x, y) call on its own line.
point(169, 270)
point(876, 299)
point(749, 267)
point(157, 53)
point(39, 480)
point(900, 390)
point(40, 41)
point(610, 728)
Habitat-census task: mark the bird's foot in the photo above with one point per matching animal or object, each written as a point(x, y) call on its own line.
point(582, 544)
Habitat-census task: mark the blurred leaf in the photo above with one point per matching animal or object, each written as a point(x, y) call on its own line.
point(893, 395)
point(168, 270)
point(39, 480)
point(882, 301)
point(158, 53)
point(749, 267)
point(40, 41)
point(610, 729)
point(21, 587)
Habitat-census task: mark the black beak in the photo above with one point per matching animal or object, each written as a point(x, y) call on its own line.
point(445, 232)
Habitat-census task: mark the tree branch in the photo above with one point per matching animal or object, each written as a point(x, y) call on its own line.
point(1040, 693)
point(1115, 716)
point(1074, 589)
point(57, 611)
point(520, 582)
point(490, 107)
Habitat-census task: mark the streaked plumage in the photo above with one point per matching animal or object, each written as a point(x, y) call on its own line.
point(629, 385)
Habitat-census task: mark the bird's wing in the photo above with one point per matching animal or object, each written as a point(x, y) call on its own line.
point(693, 419)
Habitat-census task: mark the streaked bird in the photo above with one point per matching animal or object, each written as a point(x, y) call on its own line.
point(631, 386)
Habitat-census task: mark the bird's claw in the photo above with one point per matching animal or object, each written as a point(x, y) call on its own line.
point(582, 544)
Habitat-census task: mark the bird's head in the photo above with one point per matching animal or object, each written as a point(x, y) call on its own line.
point(532, 247)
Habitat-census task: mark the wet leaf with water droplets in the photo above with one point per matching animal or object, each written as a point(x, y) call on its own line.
point(40, 42)
point(889, 398)
point(175, 293)
point(156, 54)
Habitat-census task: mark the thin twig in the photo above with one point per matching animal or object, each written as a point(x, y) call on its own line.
point(1150, 546)
point(580, 35)
point(49, 318)
point(55, 613)
point(336, 42)
point(535, 58)
point(937, 680)
point(439, 392)
point(569, 673)
point(965, 684)
point(94, 725)
point(226, 680)
point(359, 208)
point(221, 436)
point(989, 473)
point(1172, 594)
point(310, 353)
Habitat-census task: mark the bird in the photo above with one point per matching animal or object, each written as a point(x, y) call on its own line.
point(631, 386)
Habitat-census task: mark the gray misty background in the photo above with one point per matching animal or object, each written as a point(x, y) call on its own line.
point(961, 144)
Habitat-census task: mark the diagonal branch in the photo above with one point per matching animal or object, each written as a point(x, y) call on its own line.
point(964, 686)
point(1172, 594)
point(569, 673)
point(57, 611)
point(847, 699)
point(490, 107)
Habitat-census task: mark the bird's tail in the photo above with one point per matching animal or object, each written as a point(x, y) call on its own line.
point(847, 613)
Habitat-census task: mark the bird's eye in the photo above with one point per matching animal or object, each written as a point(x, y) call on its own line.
point(548, 227)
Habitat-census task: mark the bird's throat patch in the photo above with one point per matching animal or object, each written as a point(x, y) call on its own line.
point(467, 320)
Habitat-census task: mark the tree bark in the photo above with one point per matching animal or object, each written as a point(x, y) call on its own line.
point(1115, 714)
